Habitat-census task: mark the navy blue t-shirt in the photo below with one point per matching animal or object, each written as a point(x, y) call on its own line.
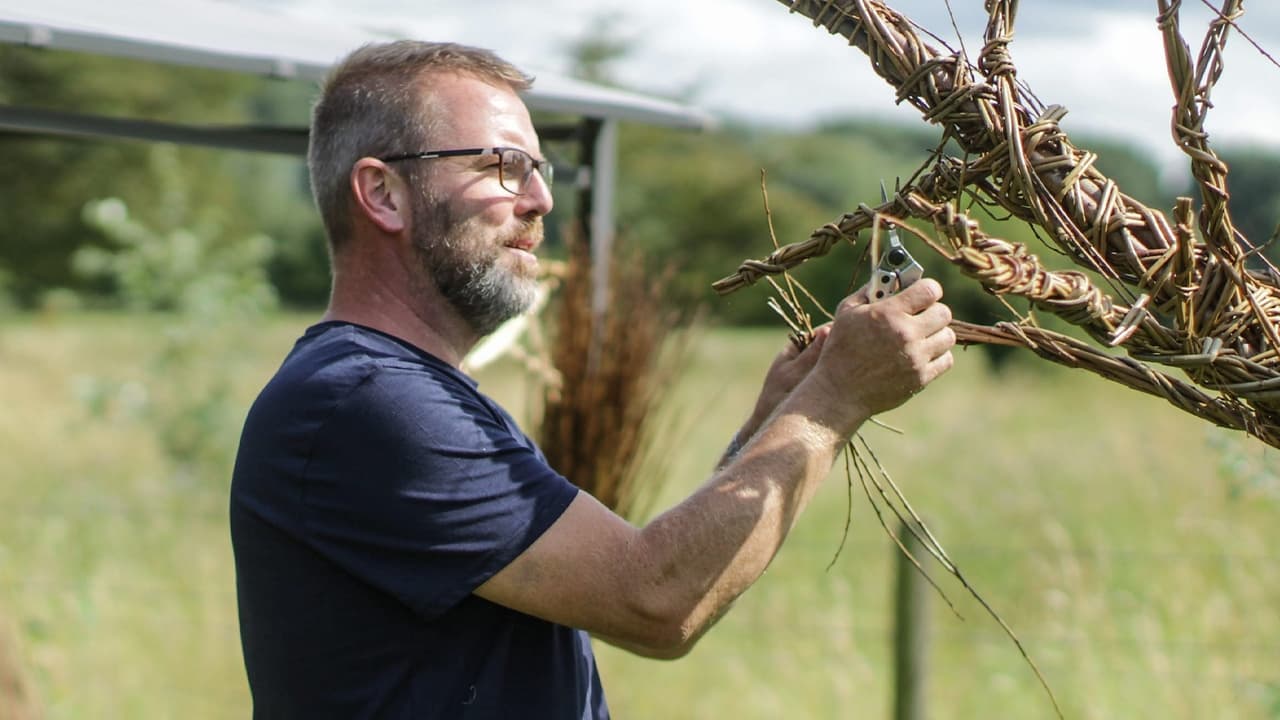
point(374, 490)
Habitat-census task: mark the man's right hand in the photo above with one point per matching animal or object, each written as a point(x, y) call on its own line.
point(880, 354)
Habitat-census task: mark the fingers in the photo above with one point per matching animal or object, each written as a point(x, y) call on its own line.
point(920, 296)
point(912, 300)
point(794, 362)
point(897, 345)
point(820, 335)
point(792, 351)
point(938, 365)
point(861, 296)
point(813, 350)
point(790, 367)
point(939, 343)
point(934, 318)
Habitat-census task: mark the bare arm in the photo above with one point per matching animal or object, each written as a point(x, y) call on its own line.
point(789, 367)
point(658, 588)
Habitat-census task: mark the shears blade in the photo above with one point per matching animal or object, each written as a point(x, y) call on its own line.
point(897, 270)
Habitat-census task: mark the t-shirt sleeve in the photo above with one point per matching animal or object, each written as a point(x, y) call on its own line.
point(419, 488)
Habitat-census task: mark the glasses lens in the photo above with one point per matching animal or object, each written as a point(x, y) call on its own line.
point(547, 171)
point(517, 166)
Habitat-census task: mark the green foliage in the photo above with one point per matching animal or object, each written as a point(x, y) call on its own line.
point(6, 291)
point(206, 285)
point(593, 54)
point(182, 270)
point(278, 200)
point(49, 180)
point(1254, 183)
point(696, 202)
point(1248, 469)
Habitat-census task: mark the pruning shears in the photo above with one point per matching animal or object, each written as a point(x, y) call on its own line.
point(897, 270)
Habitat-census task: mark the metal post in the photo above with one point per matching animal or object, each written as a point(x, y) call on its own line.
point(910, 633)
point(599, 152)
point(604, 181)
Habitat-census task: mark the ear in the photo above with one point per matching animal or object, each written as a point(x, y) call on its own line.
point(380, 195)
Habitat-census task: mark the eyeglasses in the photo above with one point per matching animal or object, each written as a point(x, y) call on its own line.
point(515, 166)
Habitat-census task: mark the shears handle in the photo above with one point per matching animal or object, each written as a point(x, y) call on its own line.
point(895, 272)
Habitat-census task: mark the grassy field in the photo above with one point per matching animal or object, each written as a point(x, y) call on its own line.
point(1131, 547)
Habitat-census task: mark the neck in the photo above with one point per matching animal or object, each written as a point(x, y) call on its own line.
point(383, 302)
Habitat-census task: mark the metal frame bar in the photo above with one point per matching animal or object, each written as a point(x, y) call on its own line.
point(37, 121)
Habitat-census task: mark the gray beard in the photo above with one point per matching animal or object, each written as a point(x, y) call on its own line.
point(464, 265)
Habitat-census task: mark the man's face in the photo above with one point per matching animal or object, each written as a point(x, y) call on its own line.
point(474, 239)
point(472, 263)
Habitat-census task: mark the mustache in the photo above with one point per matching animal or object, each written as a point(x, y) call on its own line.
point(531, 228)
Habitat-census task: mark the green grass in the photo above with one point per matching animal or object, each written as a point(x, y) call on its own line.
point(1143, 581)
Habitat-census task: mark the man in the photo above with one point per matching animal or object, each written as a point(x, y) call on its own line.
point(402, 548)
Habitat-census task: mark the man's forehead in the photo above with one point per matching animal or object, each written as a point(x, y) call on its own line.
point(461, 106)
point(462, 91)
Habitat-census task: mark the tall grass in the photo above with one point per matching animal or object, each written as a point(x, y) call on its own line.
point(1098, 522)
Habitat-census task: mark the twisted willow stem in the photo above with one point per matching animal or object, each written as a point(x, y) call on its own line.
point(1183, 302)
point(1070, 352)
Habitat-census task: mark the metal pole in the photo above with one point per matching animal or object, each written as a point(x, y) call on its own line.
point(910, 633)
point(604, 177)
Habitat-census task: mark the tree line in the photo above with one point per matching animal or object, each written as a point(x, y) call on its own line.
point(691, 203)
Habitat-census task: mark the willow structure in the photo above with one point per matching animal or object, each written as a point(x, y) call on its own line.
point(1173, 292)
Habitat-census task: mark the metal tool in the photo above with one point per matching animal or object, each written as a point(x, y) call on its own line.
point(897, 270)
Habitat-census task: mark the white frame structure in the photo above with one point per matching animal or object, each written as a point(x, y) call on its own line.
point(232, 38)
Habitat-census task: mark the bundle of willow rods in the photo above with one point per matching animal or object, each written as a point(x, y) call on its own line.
point(600, 420)
point(1180, 300)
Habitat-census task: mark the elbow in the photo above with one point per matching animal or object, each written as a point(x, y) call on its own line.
point(666, 630)
point(657, 644)
point(671, 644)
point(664, 612)
point(665, 653)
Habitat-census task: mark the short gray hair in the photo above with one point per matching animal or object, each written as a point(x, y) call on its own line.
point(372, 105)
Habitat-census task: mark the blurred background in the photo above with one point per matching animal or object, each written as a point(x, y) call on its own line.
point(148, 289)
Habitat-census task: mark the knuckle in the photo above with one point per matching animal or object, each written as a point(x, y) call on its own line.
point(946, 313)
point(847, 305)
point(901, 331)
point(878, 314)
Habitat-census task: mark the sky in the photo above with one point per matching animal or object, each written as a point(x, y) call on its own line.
point(752, 60)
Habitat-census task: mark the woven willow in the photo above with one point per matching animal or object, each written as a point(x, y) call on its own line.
point(1177, 293)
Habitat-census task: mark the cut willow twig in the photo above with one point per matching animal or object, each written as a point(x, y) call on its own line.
point(791, 310)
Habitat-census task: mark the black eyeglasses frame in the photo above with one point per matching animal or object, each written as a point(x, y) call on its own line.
point(544, 168)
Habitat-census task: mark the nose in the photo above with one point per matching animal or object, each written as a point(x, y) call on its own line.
point(536, 199)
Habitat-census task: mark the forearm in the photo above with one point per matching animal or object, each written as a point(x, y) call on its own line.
point(739, 439)
point(714, 545)
point(742, 437)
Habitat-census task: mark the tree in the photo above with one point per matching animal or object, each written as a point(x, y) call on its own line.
point(593, 55)
point(49, 180)
point(1254, 184)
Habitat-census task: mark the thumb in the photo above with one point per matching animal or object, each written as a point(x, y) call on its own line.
point(861, 296)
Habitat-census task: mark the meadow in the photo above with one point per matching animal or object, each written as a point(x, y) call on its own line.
point(1131, 547)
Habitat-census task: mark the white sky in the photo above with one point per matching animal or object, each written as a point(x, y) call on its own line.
point(751, 59)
